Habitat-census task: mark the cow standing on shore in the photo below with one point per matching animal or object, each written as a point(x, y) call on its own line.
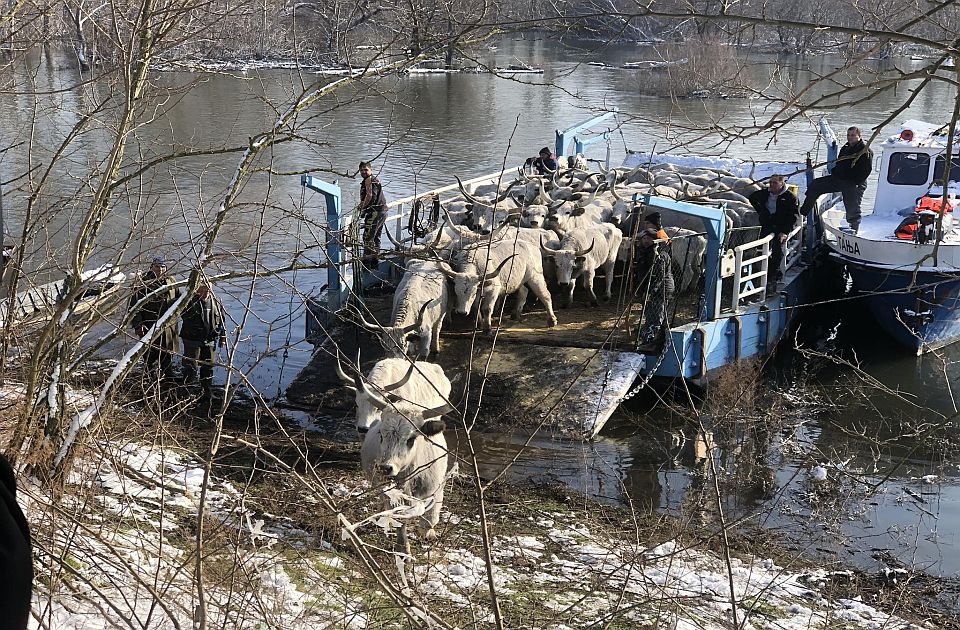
point(407, 449)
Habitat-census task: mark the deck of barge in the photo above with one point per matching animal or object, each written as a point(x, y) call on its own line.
point(561, 378)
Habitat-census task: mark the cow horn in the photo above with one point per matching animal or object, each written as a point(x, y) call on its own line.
point(467, 195)
point(493, 274)
point(435, 412)
point(375, 399)
point(363, 322)
point(406, 330)
point(546, 250)
point(448, 271)
point(616, 195)
point(505, 193)
point(396, 243)
point(403, 381)
point(354, 383)
point(543, 192)
point(583, 184)
point(593, 195)
point(586, 251)
point(555, 205)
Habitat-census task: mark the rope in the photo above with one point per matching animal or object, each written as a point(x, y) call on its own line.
point(616, 119)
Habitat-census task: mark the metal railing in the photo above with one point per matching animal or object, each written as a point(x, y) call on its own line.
point(793, 248)
point(752, 264)
point(398, 211)
point(750, 270)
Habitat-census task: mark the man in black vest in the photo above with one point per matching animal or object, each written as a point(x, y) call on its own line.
point(202, 331)
point(849, 178)
point(777, 210)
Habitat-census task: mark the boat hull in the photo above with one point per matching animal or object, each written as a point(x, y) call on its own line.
point(920, 313)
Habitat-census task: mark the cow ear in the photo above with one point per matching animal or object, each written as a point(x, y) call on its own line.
point(580, 259)
point(433, 427)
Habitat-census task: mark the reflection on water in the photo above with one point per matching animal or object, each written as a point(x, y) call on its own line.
point(421, 130)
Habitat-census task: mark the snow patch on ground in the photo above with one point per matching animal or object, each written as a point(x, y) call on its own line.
point(130, 554)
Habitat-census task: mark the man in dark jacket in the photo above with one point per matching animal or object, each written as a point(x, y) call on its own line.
point(777, 209)
point(202, 331)
point(154, 295)
point(15, 555)
point(373, 213)
point(849, 178)
point(654, 275)
point(544, 163)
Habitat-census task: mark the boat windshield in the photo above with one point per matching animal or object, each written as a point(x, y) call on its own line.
point(908, 168)
point(940, 167)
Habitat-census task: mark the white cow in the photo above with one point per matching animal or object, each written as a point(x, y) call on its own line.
point(419, 383)
point(420, 305)
point(581, 252)
point(407, 449)
point(511, 267)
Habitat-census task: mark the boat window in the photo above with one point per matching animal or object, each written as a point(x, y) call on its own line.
point(939, 167)
point(908, 169)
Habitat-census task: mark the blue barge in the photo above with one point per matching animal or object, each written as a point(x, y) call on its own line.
point(736, 315)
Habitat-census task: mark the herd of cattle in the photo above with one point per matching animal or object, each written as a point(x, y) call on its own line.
point(498, 240)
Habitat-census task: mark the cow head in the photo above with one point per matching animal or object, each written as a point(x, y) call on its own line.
point(368, 413)
point(534, 216)
point(469, 281)
point(403, 428)
point(568, 261)
point(400, 339)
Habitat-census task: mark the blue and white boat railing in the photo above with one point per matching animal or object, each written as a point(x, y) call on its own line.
point(750, 271)
point(751, 266)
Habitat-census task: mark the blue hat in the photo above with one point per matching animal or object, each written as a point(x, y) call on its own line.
point(159, 260)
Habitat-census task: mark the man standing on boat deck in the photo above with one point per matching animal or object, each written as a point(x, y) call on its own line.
point(777, 210)
point(202, 331)
point(654, 275)
point(155, 295)
point(373, 212)
point(848, 177)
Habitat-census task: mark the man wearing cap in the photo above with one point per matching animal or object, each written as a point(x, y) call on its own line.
point(544, 163)
point(777, 210)
point(154, 295)
point(654, 274)
point(848, 177)
point(654, 221)
point(202, 331)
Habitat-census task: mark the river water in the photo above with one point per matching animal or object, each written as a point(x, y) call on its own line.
point(422, 130)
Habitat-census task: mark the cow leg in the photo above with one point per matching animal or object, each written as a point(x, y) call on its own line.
point(608, 269)
point(521, 301)
point(403, 543)
point(588, 278)
point(488, 304)
point(426, 338)
point(435, 337)
point(539, 288)
point(432, 517)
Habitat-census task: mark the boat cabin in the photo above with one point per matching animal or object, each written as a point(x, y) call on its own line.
point(913, 164)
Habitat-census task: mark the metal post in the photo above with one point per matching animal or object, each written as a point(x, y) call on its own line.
point(563, 137)
point(337, 288)
point(812, 235)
